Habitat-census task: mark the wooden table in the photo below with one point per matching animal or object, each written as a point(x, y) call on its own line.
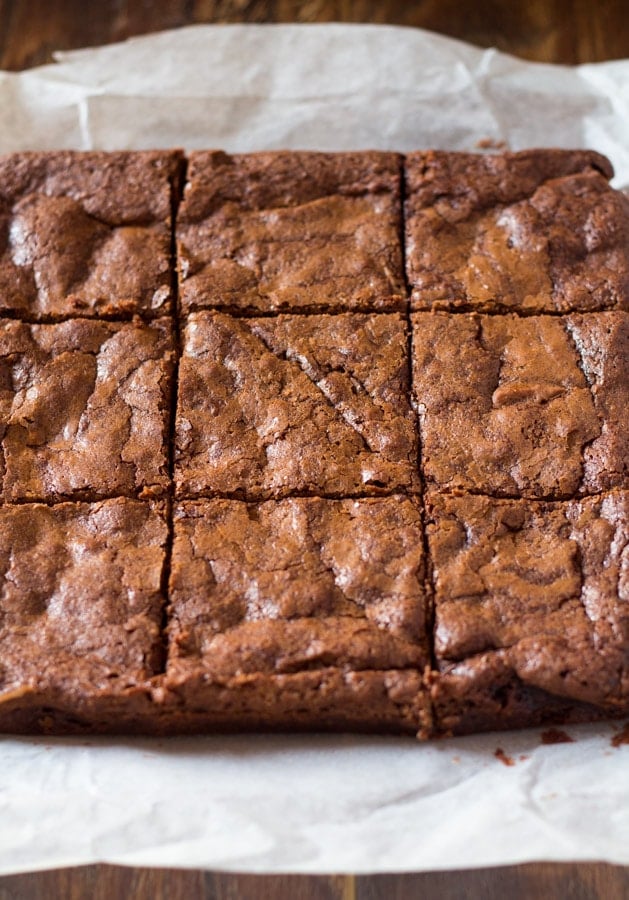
point(548, 30)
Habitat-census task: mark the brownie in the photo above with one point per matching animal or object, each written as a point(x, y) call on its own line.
point(536, 231)
point(312, 404)
point(530, 407)
point(81, 614)
point(531, 609)
point(86, 233)
point(291, 231)
point(329, 590)
point(84, 409)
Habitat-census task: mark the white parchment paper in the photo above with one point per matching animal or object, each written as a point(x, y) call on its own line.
point(313, 803)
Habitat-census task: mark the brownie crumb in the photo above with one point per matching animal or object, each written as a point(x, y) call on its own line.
point(490, 144)
point(504, 758)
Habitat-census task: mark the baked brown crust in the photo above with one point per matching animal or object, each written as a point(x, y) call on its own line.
point(81, 610)
point(302, 583)
point(530, 608)
point(323, 700)
point(84, 409)
point(530, 407)
point(302, 612)
point(291, 404)
point(87, 233)
point(285, 231)
point(536, 231)
point(294, 581)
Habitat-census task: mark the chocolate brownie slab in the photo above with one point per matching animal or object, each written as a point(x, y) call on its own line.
point(273, 406)
point(86, 233)
point(531, 407)
point(83, 409)
point(291, 231)
point(81, 608)
point(296, 603)
point(531, 609)
point(535, 231)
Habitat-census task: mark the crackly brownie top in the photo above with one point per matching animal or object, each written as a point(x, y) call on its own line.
point(542, 586)
point(86, 233)
point(83, 409)
point(539, 230)
point(529, 406)
point(291, 230)
point(314, 404)
point(296, 584)
point(81, 601)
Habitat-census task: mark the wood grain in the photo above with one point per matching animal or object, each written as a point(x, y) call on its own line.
point(563, 31)
point(566, 31)
point(542, 880)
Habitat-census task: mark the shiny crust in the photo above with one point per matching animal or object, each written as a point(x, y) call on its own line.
point(304, 583)
point(274, 232)
point(536, 231)
point(533, 595)
point(280, 551)
point(82, 601)
point(274, 406)
point(84, 409)
point(524, 407)
point(86, 233)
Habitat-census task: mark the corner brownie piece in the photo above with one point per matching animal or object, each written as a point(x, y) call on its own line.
point(303, 611)
point(532, 610)
point(81, 614)
point(539, 231)
point(531, 407)
point(272, 406)
point(84, 409)
point(86, 233)
point(291, 231)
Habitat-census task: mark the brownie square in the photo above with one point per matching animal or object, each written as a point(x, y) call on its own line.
point(291, 231)
point(81, 613)
point(314, 404)
point(539, 231)
point(531, 609)
point(531, 407)
point(84, 409)
point(86, 233)
point(295, 603)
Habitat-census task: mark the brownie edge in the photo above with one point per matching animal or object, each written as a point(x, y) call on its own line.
point(531, 616)
point(82, 605)
point(534, 231)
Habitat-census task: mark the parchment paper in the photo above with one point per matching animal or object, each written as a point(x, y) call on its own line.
point(313, 803)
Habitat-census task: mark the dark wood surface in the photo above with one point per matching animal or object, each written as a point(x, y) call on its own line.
point(566, 31)
point(540, 881)
point(546, 30)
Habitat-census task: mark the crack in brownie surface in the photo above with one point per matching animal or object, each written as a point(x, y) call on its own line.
point(529, 595)
point(528, 407)
point(86, 233)
point(536, 231)
point(80, 609)
point(83, 409)
point(313, 404)
point(291, 231)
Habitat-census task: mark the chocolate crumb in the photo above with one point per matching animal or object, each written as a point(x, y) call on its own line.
point(490, 144)
point(503, 757)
